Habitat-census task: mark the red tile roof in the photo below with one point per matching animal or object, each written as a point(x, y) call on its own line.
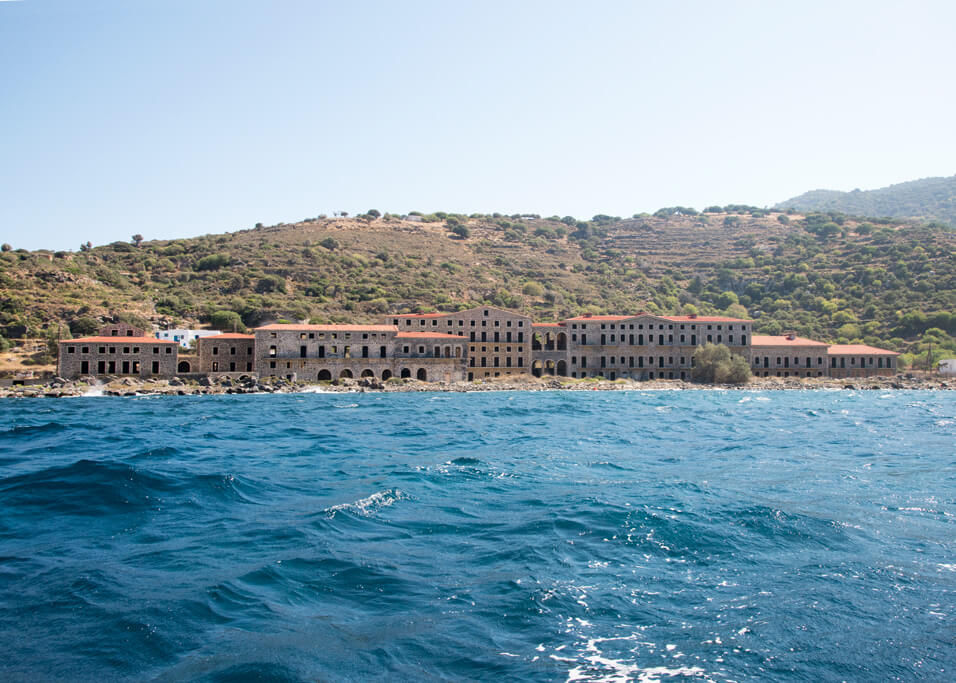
point(767, 340)
point(118, 340)
point(329, 328)
point(671, 318)
point(702, 319)
point(419, 315)
point(548, 325)
point(227, 335)
point(858, 350)
point(428, 335)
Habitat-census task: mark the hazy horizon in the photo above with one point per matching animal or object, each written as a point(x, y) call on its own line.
point(175, 119)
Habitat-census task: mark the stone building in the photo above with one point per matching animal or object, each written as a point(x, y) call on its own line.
point(788, 356)
point(644, 346)
point(860, 360)
point(326, 352)
point(121, 330)
point(499, 341)
point(117, 354)
point(226, 354)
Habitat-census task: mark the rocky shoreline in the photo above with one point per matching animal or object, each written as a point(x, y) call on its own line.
point(127, 386)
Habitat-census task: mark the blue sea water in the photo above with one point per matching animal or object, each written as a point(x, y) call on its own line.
point(806, 536)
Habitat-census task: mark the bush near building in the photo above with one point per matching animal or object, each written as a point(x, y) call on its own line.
point(714, 363)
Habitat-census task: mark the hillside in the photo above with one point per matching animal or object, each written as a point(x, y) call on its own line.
point(826, 276)
point(929, 199)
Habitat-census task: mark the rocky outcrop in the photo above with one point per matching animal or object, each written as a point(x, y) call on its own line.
point(128, 386)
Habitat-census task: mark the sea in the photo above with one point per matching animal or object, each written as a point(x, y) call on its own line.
point(506, 536)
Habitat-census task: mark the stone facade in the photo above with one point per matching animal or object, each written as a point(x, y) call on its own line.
point(788, 356)
point(478, 343)
point(326, 352)
point(117, 355)
point(499, 341)
point(121, 330)
point(860, 360)
point(641, 346)
point(227, 354)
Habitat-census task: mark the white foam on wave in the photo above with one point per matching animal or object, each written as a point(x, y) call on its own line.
point(370, 504)
point(315, 389)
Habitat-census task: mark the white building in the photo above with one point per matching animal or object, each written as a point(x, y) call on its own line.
point(947, 367)
point(184, 337)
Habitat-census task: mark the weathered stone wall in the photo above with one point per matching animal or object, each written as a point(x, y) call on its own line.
point(227, 354)
point(499, 341)
point(108, 356)
point(324, 352)
point(861, 365)
point(789, 361)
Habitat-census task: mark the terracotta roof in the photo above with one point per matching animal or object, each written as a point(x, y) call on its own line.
point(768, 340)
point(671, 318)
point(428, 335)
point(418, 315)
point(702, 319)
point(227, 335)
point(601, 317)
point(858, 350)
point(329, 328)
point(548, 325)
point(119, 340)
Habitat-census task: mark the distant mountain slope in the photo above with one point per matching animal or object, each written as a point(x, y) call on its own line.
point(927, 199)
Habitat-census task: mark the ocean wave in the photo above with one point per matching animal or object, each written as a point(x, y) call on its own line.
point(369, 505)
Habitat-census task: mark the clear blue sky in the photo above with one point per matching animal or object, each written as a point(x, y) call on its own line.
point(182, 117)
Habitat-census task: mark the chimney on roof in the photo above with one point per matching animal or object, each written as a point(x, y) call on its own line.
point(692, 316)
point(791, 336)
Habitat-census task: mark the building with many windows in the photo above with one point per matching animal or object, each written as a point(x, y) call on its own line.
point(498, 341)
point(479, 343)
point(326, 352)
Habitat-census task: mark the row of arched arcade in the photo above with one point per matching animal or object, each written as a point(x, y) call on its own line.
point(404, 373)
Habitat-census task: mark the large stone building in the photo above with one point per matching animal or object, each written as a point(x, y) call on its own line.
point(641, 346)
point(325, 352)
point(787, 356)
point(499, 341)
point(227, 354)
point(478, 343)
point(122, 353)
point(860, 360)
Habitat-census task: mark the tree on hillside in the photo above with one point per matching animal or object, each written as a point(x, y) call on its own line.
point(5, 247)
point(461, 231)
point(227, 321)
point(86, 246)
point(137, 239)
point(714, 363)
point(374, 213)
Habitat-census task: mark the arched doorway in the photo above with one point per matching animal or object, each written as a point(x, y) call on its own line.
point(183, 366)
point(367, 373)
point(536, 342)
point(345, 374)
point(536, 368)
point(386, 374)
point(406, 373)
point(325, 376)
point(562, 368)
point(549, 367)
point(562, 341)
point(422, 375)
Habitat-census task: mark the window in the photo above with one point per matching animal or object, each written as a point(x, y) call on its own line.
point(169, 350)
point(71, 349)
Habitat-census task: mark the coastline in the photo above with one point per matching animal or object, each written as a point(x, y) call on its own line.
point(131, 387)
